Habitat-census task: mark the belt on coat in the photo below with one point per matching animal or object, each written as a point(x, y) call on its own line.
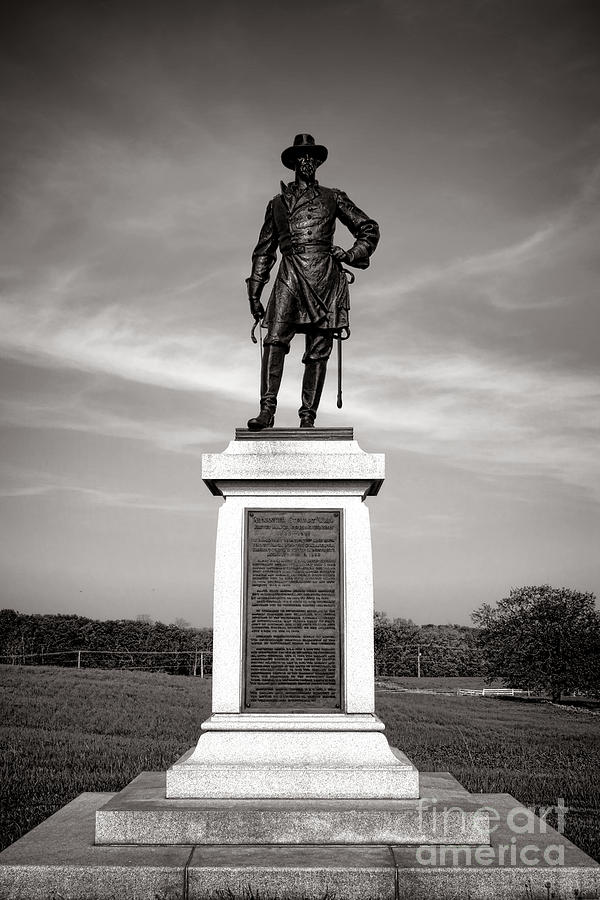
point(305, 248)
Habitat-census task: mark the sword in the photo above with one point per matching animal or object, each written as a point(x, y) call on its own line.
point(257, 322)
point(339, 359)
point(351, 279)
point(340, 338)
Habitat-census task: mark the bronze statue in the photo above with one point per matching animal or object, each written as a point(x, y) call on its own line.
point(310, 294)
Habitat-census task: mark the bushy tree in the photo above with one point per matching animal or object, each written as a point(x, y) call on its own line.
point(542, 638)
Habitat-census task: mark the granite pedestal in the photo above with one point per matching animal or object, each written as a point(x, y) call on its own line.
point(306, 489)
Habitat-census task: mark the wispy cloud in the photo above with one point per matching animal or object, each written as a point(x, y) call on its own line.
point(483, 264)
point(489, 413)
point(126, 342)
point(98, 497)
point(575, 224)
point(72, 413)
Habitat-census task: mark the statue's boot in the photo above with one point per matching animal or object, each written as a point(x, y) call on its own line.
point(312, 388)
point(270, 379)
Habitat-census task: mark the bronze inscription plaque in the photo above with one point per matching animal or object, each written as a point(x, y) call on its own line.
point(293, 587)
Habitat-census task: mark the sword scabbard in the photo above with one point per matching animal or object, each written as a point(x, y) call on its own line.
point(339, 358)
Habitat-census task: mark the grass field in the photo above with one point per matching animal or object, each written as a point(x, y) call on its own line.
point(65, 731)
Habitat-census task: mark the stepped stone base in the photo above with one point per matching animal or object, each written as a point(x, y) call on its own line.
point(293, 764)
point(140, 814)
point(58, 859)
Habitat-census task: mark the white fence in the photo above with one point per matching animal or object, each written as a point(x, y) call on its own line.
point(493, 692)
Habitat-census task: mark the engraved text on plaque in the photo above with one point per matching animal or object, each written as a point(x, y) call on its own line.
point(293, 586)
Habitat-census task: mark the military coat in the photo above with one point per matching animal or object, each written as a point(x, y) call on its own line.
point(310, 288)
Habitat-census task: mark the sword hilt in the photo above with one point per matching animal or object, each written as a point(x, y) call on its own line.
point(252, 332)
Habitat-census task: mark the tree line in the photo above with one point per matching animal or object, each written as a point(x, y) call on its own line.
point(539, 638)
point(35, 639)
point(401, 647)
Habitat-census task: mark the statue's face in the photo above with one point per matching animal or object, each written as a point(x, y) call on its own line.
point(307, 166)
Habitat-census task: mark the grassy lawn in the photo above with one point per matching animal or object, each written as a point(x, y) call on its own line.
point(65, 731)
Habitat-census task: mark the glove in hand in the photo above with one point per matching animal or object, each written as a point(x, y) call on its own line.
point(339, 254)
point(256, 308)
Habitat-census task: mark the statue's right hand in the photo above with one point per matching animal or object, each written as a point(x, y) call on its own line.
point(256, 308)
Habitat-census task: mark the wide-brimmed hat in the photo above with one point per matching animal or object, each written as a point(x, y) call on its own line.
point(303, 143)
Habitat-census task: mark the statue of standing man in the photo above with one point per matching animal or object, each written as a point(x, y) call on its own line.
point(310, 294)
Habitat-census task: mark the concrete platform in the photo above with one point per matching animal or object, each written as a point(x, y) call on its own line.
point(292, 873)
point(140, 814)
point(58, 859)
point(538, 864)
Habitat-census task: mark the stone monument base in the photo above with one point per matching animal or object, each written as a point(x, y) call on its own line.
point(140, 814)
point(298, 755)
point(405, 860)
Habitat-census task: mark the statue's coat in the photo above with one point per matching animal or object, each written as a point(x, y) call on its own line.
point(310, 288)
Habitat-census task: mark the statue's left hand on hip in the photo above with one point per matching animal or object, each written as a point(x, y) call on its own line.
point(339, 254)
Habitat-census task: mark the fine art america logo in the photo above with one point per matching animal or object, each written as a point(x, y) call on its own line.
point(518, 836)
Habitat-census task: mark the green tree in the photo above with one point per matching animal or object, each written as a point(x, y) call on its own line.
point(542, 638)
point(395, 642)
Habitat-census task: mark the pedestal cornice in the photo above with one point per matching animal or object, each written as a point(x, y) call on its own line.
point(325, 456)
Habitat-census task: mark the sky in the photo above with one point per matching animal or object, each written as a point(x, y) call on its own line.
point(141, 144)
